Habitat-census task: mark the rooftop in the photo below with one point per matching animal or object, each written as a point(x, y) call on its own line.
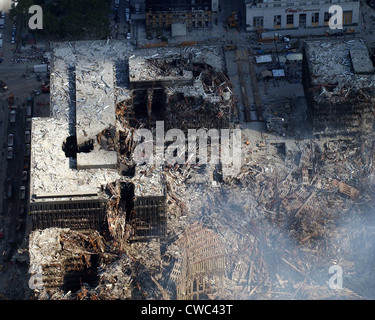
point(340, 62)
point(85, 89)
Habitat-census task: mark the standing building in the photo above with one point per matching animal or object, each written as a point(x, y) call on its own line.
point(300, 14)
point(194, 14)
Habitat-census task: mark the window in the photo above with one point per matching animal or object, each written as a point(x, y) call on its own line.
point(258, 22)
point(315, 17)
point(277, 20)
point(347, 17)
point(327, 16)
point(289, 19)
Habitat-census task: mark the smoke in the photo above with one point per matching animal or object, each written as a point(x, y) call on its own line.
point(266, 258)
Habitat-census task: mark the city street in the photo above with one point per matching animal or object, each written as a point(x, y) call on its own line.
point(13, 212)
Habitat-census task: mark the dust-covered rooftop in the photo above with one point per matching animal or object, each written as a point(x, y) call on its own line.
point(85, 88)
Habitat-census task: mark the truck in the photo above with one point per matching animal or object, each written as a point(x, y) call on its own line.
point(127, 14)
point(41, 68)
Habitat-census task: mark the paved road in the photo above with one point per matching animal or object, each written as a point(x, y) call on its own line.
point(10, 212)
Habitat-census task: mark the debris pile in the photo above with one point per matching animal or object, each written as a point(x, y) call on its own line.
point(339, 74)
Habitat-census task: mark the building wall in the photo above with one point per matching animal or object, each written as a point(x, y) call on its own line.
point(177, 5)
point(192, 19)
point(161, 14)
point(268, 10)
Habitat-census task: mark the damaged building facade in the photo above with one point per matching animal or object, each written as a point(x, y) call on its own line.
point(339, 81)
point(196, 14)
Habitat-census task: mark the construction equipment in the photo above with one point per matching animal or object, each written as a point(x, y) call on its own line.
point(233, 21)
point(45, 87)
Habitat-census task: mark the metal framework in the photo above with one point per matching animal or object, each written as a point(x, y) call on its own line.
point(77, 215)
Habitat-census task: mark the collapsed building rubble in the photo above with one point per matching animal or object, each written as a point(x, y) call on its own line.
point(199, 270)
point(339, 85)
point(182, 231)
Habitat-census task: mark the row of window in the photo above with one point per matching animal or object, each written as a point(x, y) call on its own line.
point(164, 25)
point(291, 4)
point(163, 16)
point(347, 18)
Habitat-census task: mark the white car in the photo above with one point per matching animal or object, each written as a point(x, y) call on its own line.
point(13, 116)
point(10, 140)
point(12, 41)
point(128, 36)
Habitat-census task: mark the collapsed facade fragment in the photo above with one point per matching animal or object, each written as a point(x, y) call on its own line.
point(339, 84)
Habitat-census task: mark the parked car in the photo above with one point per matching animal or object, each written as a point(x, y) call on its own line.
point(27, 136)
point(10, 153)
point(9, 188)
point(24, 175)
point(12, 41)
point(28, 124)
point(10, 140)
point(128, 36)
point(13, 116)
point(28, 150)
point(22, 192)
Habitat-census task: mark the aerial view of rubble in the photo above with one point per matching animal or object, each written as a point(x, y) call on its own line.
point(187, 150)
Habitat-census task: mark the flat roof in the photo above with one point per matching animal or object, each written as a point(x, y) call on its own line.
point(51, 172)
point(84, 93)
point(361, 61)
